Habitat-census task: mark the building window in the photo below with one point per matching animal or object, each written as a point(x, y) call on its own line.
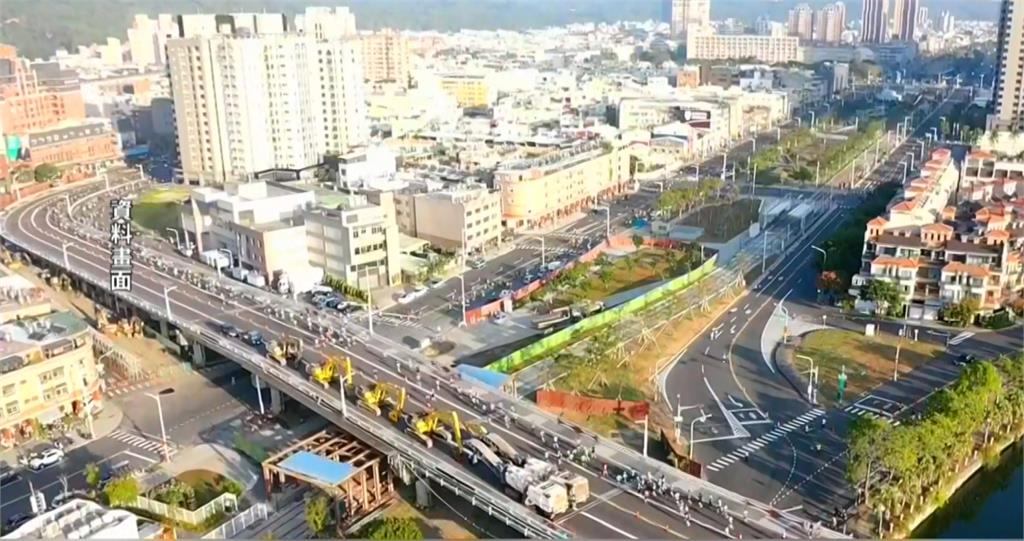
point(12, 408)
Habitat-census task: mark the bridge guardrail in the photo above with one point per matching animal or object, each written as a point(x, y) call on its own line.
point(462, 483)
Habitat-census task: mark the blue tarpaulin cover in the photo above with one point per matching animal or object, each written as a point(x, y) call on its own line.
point(487, 377)
point(318, 468)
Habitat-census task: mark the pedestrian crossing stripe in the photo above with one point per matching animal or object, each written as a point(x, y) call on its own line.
point(853, 409)
point(960, 338)
point(770, 436)
point(141, 442)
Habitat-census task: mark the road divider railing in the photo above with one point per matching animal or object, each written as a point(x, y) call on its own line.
point(539, 349)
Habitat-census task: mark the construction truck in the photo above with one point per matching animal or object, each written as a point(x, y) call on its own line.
point(549, 497)
point(498, 445)
point(373, 397)
point(476, 450)
point(444, 425)
point(529, 483)
point(287, 350)
point(104, 325)
point(577, 486)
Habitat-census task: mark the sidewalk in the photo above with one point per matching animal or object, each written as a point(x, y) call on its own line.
point(208, 456)
point(105, 422)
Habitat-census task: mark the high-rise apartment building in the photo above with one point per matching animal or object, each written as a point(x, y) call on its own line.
point(947, 22)
point(829, 23)
point(687, 13)
point(386, 57)
point(326, 23)
point(245, 103)
point(147, 39)
point(801, 22)
point(1010, 68)
point(874, 21)
point(923, 18)
point(904, 19)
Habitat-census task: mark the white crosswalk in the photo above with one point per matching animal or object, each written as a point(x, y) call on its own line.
point(765, 439)
point(861, 412)
point(960, 338)
point(141, 442)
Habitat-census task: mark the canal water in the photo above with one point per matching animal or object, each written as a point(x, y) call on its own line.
point(988, 506)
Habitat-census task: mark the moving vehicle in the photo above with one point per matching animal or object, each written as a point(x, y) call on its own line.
point(253, 338)
point(434, 282)
point(45, 459)
point(8, 476)
point(965, 360)
point(230, 330)
point(410, 296)
point(60, 499)
point(477, 263)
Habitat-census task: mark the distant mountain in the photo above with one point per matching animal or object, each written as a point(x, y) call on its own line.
point(38, 27)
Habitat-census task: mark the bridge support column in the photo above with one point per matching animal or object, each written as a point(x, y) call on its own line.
point(276, 401)
point(164, 329)
point(198, 354)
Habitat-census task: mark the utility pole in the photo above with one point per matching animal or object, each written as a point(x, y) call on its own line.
point(896, 360)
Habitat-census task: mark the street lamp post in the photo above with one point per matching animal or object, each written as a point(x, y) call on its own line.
point(814, 120)
point(231, 256)
point(607, 221)
point(64, 248)
point(812, 380)
point(167, 301)
point(462, 283)
point(177, 239)
point(922, 149)
point(824, 255)
point(911, 155)
point(904, 171)
point(160, 413)
point(703, 418)
point(543, 249)
point(645, 423)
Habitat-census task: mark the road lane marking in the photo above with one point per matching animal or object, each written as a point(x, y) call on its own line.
point(609, 526)
point(775, 433)
point(7, 502)
point(140, 457)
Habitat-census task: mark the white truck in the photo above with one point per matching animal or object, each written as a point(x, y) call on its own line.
point(215, 259)
point(576, 485)
point(534, 483)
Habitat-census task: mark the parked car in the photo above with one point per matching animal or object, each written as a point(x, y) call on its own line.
point(410, 296)
point(253, 338)
point(501, 318)
point(230, 330)
point(15, 521)
point(434, 282)
point(45, 459)
point(964, 360)
point(477, 263)
point(60, 499)
point(8, 476)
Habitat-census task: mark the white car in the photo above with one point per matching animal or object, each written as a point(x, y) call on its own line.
point(412, 295)
point(500, 318)
point(45, 459)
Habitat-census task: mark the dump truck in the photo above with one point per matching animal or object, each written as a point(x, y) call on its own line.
point(549, 497)
point(477, 450)
point(531, 484)
point(498, 445)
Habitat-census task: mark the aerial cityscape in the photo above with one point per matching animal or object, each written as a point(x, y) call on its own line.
point(512, 269)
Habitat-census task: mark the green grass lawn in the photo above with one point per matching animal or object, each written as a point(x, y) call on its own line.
point(868, 360)
point(639, 268)
point(723, 222)
point(157, 209)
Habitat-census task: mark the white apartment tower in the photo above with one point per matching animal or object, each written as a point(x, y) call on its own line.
point(687, 13)
point(801, 22)
point(245, 103)
point(326, 23)
point(1008, 97)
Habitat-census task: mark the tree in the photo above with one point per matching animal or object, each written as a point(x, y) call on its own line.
point(885, 294)
point(638, 241)
point(46, 172)
point(393, 529)
point(866, 441)
point(318, 514)
point(122, 491)
point(92, 475)
point(829, 282)
point(962, 313)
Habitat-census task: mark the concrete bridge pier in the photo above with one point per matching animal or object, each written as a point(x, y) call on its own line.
point(198, 354)
point(276, 401)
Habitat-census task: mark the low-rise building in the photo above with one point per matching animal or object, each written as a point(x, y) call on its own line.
point(770, 49)
point(79, 519)
point(550, 189)
point(355, 240)
point(259, 223)
point(468, 89)
point(47, 371)
point(452, 218)
point(939, 254)
point(986, 176)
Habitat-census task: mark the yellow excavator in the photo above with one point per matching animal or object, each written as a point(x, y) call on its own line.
point(103, 323)
point(373, 398)
point(326, 372)
point(288, 350)
point(443, 424)
point(130, 327)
